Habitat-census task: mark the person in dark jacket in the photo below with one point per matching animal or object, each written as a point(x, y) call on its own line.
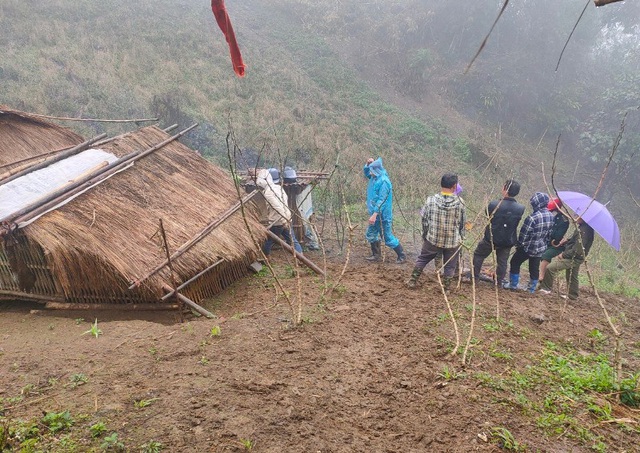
point(576, 249)
point(532, 241)
point(559, 229)
point(501, 234)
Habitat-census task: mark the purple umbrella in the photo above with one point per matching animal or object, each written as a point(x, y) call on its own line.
point(595, 214)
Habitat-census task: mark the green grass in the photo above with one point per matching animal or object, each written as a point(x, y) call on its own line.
point(567, 392)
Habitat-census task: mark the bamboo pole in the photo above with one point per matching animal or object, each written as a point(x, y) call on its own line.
point(192, 279)
point(298, 255)
point(122, 307)
point(5, 294)
point(63, 155)
point(190, 303)
point(191, 242)
point(44, 198)
point(31, 212)
point(95, 120)
point(45, 154)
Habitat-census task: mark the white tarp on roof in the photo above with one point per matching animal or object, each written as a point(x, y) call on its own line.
point(23, 191)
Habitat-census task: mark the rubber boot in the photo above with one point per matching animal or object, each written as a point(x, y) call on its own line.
point(514, 279)
point(532, 286)
point(401, 255)
point(376, 253)
point(413, 280)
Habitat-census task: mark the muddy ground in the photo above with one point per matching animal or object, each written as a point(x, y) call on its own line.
point(369, 369)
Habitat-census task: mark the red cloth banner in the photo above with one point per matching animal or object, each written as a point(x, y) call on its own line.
point(220, 13)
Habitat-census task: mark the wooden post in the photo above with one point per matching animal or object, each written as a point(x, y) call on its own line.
point(190, 303)
point(300, 256)
point(121, 307)
point(192, 279)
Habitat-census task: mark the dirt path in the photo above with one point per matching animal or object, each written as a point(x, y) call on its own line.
point(368, 371)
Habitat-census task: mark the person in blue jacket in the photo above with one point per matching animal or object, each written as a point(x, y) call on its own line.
point(379, 205)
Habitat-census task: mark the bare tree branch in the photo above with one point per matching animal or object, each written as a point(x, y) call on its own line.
point(571, 34)
point(484, 42)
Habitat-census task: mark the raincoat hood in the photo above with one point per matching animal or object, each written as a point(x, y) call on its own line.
point(376, 167)
point(539, 201)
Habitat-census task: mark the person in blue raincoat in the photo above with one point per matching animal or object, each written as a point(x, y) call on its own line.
point(379, 205)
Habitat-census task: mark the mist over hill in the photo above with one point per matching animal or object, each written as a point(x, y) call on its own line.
point(344, 80)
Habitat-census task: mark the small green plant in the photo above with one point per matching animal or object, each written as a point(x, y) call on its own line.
point(78, 379)
point(57, 421)
point(97, 429)
point(95, 331)
point(215, 331)
point(505, 439)
point(630, 391)
point(140, 404)
point(340, 290)
point(442, 317)
point(247, 444)
point(151, 447)
point(501, 354)
point(240, 315)
point(112, 443)
point(203, 360)
point(491, 326)
point(450, 374)
point(68, 444)
point(79, 321)
point(153, 350)
point(602, 412)
point(29, 389)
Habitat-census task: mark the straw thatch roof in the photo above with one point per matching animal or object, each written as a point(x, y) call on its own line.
point(108, 236)
point(23, 136)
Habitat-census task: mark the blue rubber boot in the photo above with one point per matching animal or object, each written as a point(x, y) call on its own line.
point(532, 286)
point(513, 282)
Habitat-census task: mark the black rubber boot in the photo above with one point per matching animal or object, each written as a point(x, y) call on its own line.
point(401, 255)
point(413, 280)
point(376, 252)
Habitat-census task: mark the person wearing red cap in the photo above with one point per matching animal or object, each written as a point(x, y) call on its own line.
point(556, 241)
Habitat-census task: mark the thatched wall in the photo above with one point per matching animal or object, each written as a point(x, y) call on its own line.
point(23, 136)
point(108, 236)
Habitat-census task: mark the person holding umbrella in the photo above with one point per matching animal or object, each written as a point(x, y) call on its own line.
point(576, 250)
point(593, 216)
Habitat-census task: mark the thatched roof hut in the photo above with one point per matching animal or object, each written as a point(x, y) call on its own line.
point(92, 248)
point(24, 137)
